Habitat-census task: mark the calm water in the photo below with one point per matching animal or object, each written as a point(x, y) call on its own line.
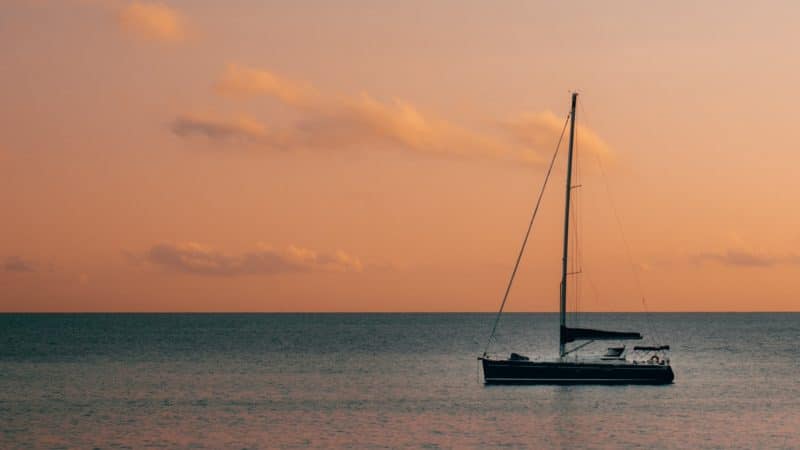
point(372, 380)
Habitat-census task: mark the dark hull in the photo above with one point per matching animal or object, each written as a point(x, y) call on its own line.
point(537, 372)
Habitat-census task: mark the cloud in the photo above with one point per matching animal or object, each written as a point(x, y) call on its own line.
point(537, 130)
point(241, 129)
point(197, 259)
point(359, 121)
point(153, 21)
point(18, 264)
point(745, 258)
point(242, 81)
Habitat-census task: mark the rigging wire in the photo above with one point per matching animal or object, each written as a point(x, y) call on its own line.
point(634, 272)
point(577, 224)
point(574, 263)
point(593, 291)
point(525, 240)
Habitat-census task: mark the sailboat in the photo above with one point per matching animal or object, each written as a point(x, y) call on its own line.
point(642, 365)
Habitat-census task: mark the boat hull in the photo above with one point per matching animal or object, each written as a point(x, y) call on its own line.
point(564, 372)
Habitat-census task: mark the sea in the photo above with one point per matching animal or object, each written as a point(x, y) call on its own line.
point(383, 381)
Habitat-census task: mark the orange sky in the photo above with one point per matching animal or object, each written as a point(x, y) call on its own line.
point(371, 156)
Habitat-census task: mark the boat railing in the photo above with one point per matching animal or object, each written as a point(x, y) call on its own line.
point(658, 355)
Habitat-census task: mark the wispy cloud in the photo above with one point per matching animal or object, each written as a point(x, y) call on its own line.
point(154, 21)
point(537, 130)
point(241, 81)
point(362, 121)
point(18, 264)
point(198, 259)
point(746, 258)
point(241, 129)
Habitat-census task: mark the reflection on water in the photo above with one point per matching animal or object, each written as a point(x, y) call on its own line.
point(254, 381)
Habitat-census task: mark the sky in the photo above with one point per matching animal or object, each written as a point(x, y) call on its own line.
point(386, 156)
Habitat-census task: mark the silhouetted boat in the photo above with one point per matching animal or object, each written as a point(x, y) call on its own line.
point(644, 365)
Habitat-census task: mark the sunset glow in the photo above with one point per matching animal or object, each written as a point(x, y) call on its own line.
point(370, 156)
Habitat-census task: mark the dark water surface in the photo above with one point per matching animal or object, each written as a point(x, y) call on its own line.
point(377, 380)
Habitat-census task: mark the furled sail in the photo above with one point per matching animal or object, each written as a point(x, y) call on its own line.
point(589, 334)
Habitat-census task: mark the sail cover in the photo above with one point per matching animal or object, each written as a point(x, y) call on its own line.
point(588, 334)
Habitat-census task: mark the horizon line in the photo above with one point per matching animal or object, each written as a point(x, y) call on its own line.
point(405, 312)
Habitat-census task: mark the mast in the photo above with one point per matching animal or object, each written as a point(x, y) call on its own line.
point(563, 304)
